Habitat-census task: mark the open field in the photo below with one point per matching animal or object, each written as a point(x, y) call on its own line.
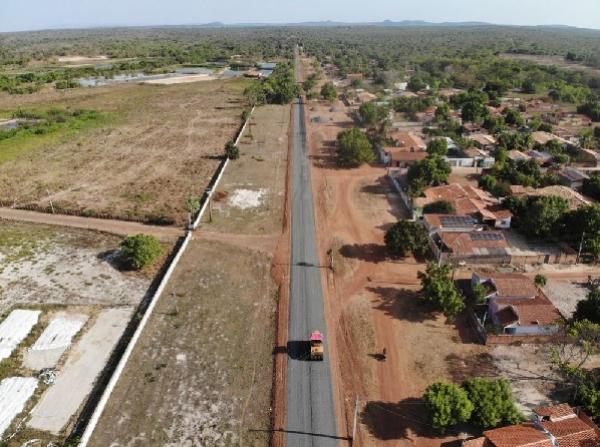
point(558, 61)
point(202, 371)
point(43, 265)
point(250, 197)
point(155, 147)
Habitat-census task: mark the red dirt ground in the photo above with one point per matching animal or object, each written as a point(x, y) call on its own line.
point(370, 300)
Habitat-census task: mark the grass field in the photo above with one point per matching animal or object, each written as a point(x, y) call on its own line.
point(202, 373)
point(155, 147)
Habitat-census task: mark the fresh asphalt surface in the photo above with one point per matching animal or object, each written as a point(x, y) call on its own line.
point(310, 410)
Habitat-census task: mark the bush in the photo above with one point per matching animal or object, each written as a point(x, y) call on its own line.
point(448, 405)
point(439, 289)
point(232, 151)
point(493, 403)
point(406, 236)
point(540, 280)
point(589, 308)
point(439, 146)
point(141, 250)
point(329, 92)
point(353, 149)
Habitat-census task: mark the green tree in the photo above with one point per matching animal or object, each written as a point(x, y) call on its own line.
point(406, 236)
point(140, 250)
point(591, 187)
point(442, 112)
point(493, 403)
point(589, 308)
point(439, 146)
point(433, 170)
point(439, 289)
point(232, 151)
point(448, 405)
point(255, 94)
point(540, 280)
point(585, 222)
point(416, 84)
point(329, 92)
point(513, 118)
point(372, 114)
point(353, 149)
point(439, 207)
point(473, 111)
point(539, 216)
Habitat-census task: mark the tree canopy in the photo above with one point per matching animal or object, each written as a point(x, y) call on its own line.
point(405, 237)
point(438, 289)
point(493, 403)
point(433, 170)
point(448, 405)
point(353, 148)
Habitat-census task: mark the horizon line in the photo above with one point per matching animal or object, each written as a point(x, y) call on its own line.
point(313, 23)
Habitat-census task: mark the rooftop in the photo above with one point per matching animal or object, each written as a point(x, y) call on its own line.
point(475, 243)
point(573, 429)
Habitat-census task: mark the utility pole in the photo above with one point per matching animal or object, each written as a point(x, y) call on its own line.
point(580, 247)
point(354, 424)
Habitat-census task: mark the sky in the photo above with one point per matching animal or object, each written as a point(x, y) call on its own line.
point(20, 15)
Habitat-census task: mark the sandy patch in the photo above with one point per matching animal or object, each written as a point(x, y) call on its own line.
point(247, 198)
point(76, 380)
point(70, 59)
point(182, 79)
point(565, 295)
point(54, 341)
point(14, 394)
point(15, 329)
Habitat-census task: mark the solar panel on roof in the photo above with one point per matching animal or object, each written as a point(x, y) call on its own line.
point(486, 236)
point(456, 221)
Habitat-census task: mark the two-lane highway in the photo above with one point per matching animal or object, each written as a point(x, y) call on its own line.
point(310, 408)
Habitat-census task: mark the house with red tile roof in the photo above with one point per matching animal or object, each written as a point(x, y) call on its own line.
point(515, 305)
point(556, 426)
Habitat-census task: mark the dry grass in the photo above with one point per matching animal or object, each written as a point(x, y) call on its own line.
point(159, 148)
point(201, 374)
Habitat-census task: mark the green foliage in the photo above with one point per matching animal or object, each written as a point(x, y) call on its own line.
point(329, 92)
point(416, 84)
point(439, 289)
point(591, 187)
point(411, 105)
point(279, 88)
point(439, 207)
point(585, 221)
point(493, 403)
point(448, 405)
point(589, 308)
point(309, 83)
point(539, 216)
point(540, 280)
point(406, 237)
point(513, 118)
point(232, 151)
point(439, 146)
point(372, 114)
point(141, 250)
point(353, 149)
point(591, 108)
point(433, 170)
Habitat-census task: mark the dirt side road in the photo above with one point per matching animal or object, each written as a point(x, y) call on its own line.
point(119, 227)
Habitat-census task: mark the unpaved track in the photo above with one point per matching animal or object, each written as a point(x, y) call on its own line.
point(120, 227)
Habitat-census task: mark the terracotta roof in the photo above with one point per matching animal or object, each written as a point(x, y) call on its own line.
point(482, 138)
point(555, 412)
point(506, 316)
point(574, 199)
point(466, 200)
point(475, 243)
point(531, 311)
point(575, 431)
point(407, 139)
point(511, 285)
point(518, 435)
point(518, 155)
point(543, 137)
point(476, 442)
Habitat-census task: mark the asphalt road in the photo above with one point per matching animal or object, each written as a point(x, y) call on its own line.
point(310, 409)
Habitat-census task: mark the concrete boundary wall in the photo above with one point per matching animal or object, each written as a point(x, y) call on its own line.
point(97, 409)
